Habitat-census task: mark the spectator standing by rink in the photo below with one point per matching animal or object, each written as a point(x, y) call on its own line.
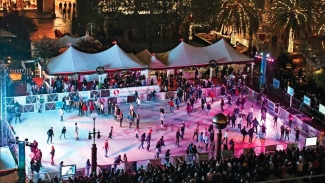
point(117, 161)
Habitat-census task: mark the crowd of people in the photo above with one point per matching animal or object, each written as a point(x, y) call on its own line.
point(250, 167)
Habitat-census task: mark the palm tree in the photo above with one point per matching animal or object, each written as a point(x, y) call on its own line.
point(241, 15)
point(294, 18)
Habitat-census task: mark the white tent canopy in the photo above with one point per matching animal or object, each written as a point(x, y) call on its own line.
point(226, 53)
point(150, 60)
point(187, 55)
point(115, 58)
point(74, 61)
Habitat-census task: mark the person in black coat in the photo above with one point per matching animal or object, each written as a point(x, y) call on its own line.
point(178, 135)
point(255, 124)
point(17, 115)
point(250, 134)
point(244, 133)
point(142, 139)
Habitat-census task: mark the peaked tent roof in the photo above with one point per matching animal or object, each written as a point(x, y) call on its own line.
point(226, 53)
point(185, 55)
point(148, 59)
point(4, 33)
point(115, 58)
point(72, 61)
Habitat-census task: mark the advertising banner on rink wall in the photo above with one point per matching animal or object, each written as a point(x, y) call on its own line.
point(118, 92)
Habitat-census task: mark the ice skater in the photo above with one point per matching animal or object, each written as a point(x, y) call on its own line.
point(61, 112)
point(105, 146)
point(63, 131)
point(76, 129)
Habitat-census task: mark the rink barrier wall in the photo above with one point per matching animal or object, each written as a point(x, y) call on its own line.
point(284, 114)
point(54, 101)
point(119, 95)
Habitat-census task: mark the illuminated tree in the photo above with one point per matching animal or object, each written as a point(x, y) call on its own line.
point(239, 15)
point(296, 16)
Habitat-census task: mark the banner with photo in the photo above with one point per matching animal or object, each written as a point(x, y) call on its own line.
point(130, 167)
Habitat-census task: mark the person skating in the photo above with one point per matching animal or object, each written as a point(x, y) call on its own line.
point(157, 149)
point(250, 135)
point(225, 136)
point(50, 134)
point(138, 120)
point(61, 112)
point(63, 131)
point(178, 135)
point(110, 135)
point(76, 129)
point(244, 133)
point(148, 139)
point(38, 105)
point(182, 131)
point(171, 106)
point(275, 120)
point(106, 147)
point(17, 115)
point(52, 152)
point(287, 132)
point(282, 129)
point(162, 117)
point(138, 103)
point(222, 104)
point(249, 119)
point(208, 108)
point(167, 156)
point(142, 139)
point(196, 132)
point(161, 110)
point(136, 131)
point(201, 140)
point(297, 134)
point(177, 102)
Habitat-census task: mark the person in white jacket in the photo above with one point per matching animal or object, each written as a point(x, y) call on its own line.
point(61, 112)
point(138, 102)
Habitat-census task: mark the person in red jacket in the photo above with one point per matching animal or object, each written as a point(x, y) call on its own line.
point(91, 107)
point(85, 108)
point(171, 106)
point(212, 96)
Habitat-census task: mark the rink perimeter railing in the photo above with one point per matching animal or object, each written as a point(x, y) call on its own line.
point(53, 101)
point(131, 166)
point(284, 114)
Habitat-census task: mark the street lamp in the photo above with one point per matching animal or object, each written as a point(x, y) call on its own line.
point(94, 148)
point(220, 120)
